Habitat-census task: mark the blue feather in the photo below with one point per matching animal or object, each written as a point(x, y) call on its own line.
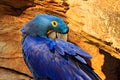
point(46, 64)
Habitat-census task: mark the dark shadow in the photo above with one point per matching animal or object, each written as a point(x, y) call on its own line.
point(88, 61)
point(111, 66)
point(10, 7)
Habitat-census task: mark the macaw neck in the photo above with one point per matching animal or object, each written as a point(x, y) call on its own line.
point(42, 34)
point(36, 39)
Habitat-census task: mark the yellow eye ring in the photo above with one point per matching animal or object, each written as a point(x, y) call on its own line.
point(54, 23)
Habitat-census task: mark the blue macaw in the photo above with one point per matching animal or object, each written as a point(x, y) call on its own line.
point(53, 59)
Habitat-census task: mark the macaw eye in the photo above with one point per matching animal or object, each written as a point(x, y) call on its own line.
point(54, 23)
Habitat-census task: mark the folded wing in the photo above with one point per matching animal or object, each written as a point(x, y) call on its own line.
point(56, 59)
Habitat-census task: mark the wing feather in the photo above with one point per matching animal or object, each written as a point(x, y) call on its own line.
point(72, 49)
point(56, 65)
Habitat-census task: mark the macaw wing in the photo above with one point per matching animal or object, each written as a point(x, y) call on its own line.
point(39, 58)
point(66, 48)
point(42, 62)
point(71, 49)
point(45, 63)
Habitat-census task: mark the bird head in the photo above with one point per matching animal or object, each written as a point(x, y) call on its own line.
point(42, 23)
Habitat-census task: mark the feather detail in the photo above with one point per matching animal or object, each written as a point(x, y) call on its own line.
point(58, 64)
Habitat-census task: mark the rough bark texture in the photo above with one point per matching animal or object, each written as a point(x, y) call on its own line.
point(94, 26)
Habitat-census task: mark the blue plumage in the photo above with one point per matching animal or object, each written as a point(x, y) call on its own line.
point(53, 59)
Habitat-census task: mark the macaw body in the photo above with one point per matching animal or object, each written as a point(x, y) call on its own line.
point(53, 59)
point(56, 60)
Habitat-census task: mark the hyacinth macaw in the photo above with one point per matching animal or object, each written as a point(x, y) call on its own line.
point(53, 59)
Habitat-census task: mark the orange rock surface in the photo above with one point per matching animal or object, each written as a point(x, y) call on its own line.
point(100, 19)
